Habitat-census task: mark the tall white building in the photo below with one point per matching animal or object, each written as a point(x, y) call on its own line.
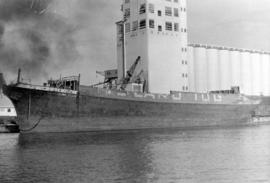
point(155, 30)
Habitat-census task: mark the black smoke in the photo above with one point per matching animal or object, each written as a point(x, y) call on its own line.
point(22, 9)
point(34, 38)
point(1, 30)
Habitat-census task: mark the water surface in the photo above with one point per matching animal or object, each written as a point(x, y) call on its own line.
point(209, 155)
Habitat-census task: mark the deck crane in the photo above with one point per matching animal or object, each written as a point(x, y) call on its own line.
point(130, 73)
point(109, 77)
point(138, 78)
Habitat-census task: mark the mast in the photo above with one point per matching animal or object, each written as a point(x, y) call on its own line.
point(124, 47)
point(78, 95)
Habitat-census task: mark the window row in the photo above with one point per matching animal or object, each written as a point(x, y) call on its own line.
point(169, 11)
point(169, 26)
point(176, 1)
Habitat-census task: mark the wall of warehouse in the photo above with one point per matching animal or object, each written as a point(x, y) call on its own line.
point(214, 68)
point(7, 109)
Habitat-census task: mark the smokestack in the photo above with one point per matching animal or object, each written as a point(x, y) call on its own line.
point(19, 76)
point(2, 82)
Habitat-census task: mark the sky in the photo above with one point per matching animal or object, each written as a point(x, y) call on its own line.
point(87, 30)
point(234, 23)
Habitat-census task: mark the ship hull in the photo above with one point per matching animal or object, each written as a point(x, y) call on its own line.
point(43, 111)
point(78, 124)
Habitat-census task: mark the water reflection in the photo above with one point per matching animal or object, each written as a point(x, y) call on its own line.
point(8, 141)
point(102, 157)
point(8, 155)
point(213, 155)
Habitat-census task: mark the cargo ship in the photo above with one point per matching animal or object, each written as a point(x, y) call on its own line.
point(64, 105)
point(155, 90)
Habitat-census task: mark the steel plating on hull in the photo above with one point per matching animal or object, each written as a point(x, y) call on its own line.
point(94, 109)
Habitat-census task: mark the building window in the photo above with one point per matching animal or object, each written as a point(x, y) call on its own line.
point(176, 1)
point(183, 9)
point(142, 24)
point(127, 27)
point(184, 62)
point(142, 8)
point(127, 1)
point(176, 12)
point(159, 28)
point(185, 75)
point(168, 26)
point(176, 27)
point(151, 24)
point(9, 110)
point(159, 13)
point(185, 30)
point(127, 13)
point(168, 11)
point(185, 88)
point(151, 8)
point(134, 25)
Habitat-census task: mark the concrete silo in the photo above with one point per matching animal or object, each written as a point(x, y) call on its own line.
point(225, 71)
point(256, 73)
point(246, 73)
point(265, 74)
point(235, 68)
point(200, 65)
point(213, 74)
point(191, 69)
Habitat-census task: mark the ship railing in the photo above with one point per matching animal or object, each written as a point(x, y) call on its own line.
point(176, 97)
point(46, 88)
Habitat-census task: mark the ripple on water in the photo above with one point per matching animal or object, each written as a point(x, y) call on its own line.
point(213, 155)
